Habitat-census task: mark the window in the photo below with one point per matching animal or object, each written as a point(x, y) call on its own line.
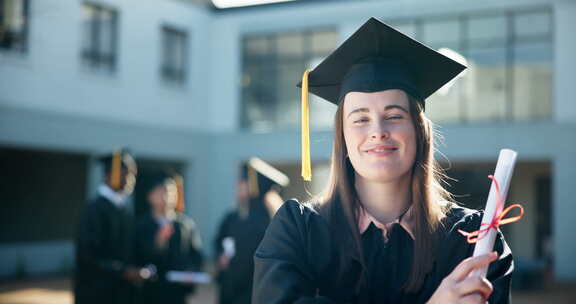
point(509, 57)
point(14, 25)
point(100, 35)
point(174, 55)
point(272, 66)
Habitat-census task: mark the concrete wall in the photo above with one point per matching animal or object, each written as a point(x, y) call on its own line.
point(36, 258)
point(51, 77)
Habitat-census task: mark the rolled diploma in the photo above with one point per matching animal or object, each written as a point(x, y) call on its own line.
point(503, 174)
point(188, 277)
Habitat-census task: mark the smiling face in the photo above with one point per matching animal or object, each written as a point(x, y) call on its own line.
point(163, 198)
point(379, 134)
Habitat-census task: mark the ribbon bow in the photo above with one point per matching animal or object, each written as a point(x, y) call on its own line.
point(498, 219)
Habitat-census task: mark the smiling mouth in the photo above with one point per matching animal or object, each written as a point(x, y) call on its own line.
point(382, 150)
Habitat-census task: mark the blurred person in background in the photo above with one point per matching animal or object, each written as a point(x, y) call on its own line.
point(240, 232)
point(385, 230)
point(165, 238)
point(103, 244)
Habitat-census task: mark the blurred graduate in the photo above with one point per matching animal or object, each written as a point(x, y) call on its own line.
point(258, 198)
point(104, 237)
point(165, 238)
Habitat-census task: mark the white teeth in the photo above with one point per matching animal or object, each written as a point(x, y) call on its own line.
point(383, 150)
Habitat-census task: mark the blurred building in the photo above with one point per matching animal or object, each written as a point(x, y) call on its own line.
point(200, 89)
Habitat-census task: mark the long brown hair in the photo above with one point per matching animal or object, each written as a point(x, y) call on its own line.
point(339, 200)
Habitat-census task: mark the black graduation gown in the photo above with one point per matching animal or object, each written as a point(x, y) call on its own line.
point(235, 283)
point(103, 251)
point(295, 263)
point(182, 253)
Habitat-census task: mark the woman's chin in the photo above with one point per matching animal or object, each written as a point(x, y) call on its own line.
point(380, 177)
point(383, 172)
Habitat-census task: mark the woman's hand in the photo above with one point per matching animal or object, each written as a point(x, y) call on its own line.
point(223, 262)
point(459, 287)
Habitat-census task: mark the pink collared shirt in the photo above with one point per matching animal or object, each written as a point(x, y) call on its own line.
point(365, 218)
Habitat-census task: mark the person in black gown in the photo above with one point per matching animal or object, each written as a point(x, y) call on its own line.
point(385, 230)
point(103, 271)
point(242, 229)
point(165, 238)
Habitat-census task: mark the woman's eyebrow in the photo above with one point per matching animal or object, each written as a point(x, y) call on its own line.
point(387, 108)
point(395, 106)
point(363, 110)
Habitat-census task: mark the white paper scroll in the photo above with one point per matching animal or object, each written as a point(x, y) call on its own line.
point(188, 277)
point(503, 174)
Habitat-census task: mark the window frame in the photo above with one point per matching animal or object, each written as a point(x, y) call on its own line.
point(273, 61)
point(94, 55)
point(24, 36)
point(172, 74)
point(510, 42)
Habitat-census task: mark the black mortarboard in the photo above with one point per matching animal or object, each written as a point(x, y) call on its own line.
point(375, 58)
point(262, 176)
point(114, 163)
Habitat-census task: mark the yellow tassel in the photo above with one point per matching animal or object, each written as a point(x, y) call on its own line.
point(115, 171)
point(306, 162)
point(253, 182)
point(180, 205)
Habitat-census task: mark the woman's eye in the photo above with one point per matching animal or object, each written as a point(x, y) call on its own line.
point(391, 117)
point(361, 120)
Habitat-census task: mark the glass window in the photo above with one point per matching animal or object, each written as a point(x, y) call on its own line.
point(256, 46)
point(441, 31)
point(323, 41)
point(258, 95)
point(100, 28)
point(288, 98)
point(532, 81)
point(486, 85)
point(14, 25)
point(509, 75)
point(272, 66)
point(487, 30)
point(509, 78)
point(532, 24)
point(290, 46)
point(174, 55)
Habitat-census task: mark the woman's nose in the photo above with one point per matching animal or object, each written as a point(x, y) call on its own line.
point(380, 131)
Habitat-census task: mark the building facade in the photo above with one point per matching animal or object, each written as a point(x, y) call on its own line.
point(202, 90)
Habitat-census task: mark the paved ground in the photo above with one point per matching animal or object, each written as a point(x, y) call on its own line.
point(56, 290)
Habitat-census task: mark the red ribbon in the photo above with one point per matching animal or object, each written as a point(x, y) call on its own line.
point(497, 221)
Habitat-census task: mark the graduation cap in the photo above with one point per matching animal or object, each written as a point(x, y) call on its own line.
point(375, 58)
point(262, 176)
point(114, 163)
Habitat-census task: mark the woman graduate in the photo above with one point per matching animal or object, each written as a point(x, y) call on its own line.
point(384, 230)
point(165, 238)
